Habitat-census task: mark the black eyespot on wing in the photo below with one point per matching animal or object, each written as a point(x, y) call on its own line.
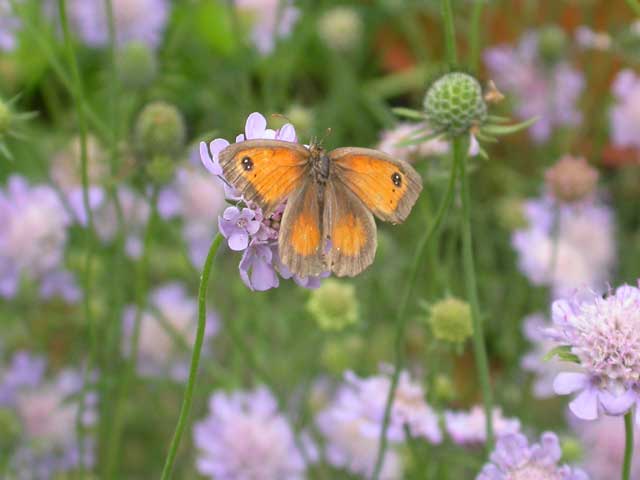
point(247, 163)
point(396, 178)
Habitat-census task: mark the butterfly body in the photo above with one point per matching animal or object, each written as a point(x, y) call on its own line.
point(331, 197)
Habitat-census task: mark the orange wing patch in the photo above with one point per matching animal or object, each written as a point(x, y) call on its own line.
point(349, 235)
point(388, 187)
point(264, 171)
point(305, 234)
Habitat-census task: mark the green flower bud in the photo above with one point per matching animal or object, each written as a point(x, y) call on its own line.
point(552, 42)
point(160, 169)
point(338, 355)
point(334, 305)
point(571, 450)
point(340, 28)
point(454, 104)
point(159, 130)
point(511, 215)
point(450, 320)
point(443, 389)
point(137, 65)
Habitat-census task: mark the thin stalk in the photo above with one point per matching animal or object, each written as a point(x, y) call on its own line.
point(449, 32)
point(635, 6)
point(401, 319)
point(474, 40)
point(628, 448)
point(479, 350)
point(77, 92)
point(115, 434)
point(195, 360)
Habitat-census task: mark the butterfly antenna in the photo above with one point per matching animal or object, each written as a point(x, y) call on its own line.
point(324, 137)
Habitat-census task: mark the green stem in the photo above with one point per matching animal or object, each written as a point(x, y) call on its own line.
point(479, 350)
point(474, 40)
point(77, 92)
point(449, 32)
point(634, 5)
point(195, 360)
point(130, 366)
point(628, 448)
point(401, 319)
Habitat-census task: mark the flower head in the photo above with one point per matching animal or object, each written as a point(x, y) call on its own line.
point(549, 92)
point(9, 24)
point(135, 20)
point(270, 20)
point(468, 428)
point(450, 320)
point(571, 179)
point(245, 438)
point(390, 140)
point(604, 336)
point(625, 114)
point(514, 459)
point(334, 305)
point(340, 28)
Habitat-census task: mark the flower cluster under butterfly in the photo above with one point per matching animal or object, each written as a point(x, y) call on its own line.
point(319, 205)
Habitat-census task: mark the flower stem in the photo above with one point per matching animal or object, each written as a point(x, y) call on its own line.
point(401, 319)
point(195, 360)
point(479, 350)
point(449, 32)
point(628, 449)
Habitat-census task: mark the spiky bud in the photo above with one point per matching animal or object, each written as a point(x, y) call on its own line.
point(454, 104)
point(137, 65)
point(159, 130)
point(450, 320)
point(334, 305)
point(571, 179)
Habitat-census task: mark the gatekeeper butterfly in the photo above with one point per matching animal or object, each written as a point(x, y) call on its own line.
point(331, 197)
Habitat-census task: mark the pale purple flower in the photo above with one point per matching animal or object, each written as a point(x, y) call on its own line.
point(604, 335)
point(245, 227)
point(135, 213)
point(135, 21)
point(47, 411)
point(468, 428)
point(25, 370)
point(402, 132)
point(589, 39)
point(244, 437)
point(352, 422)
point(167, 331)
point(33, 233)
point(603, 441)
point(514, 459)
point(625, 113)
point(545, 370)
point(547, 91)
point(9, 24)
point(271, 19)
point(579, 253)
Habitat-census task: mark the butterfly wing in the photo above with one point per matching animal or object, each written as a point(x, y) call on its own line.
point(350, 230)
point(301, 242)
point(388, 187)
point(265, 171)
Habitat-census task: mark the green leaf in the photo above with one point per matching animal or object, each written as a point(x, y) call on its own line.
point(563, 352)
point(499, 130)
point(418, 140)
point(408, 113)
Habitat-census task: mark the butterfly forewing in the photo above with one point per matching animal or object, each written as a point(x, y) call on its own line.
point(350, 230)
point(265, 171)
point(388, 187)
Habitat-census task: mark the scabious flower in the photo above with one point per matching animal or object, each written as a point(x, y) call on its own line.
point(167, 331)
point(33, 234)
point(197, 202)
point(571, 179)
point(625, 114)
point(547, 91)
point(135, 20)
point(9, 24)
point(603, 441)
point(47, 411)
point(245, 227)
point(352, 422)
point(270, 19)
point(135, 214)
point(468, 428)
point(604, 336)
point(566, 247)
point(514, 459)
point(245, 438)
point(390, 140)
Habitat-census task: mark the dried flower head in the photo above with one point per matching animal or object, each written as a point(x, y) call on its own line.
point(571, 179)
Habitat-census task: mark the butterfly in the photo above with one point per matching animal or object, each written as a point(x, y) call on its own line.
point(327, 224)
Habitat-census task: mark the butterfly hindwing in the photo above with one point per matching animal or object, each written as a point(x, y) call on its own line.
point(265, 171)
point(350, 232)
point(300, 242)
point(388, 187)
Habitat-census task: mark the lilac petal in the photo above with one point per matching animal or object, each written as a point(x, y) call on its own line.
point(217, 146)
point(569, 382)
point(263, 276)
point(239, 241)
point(617, 404)
point(253, 226)
point(207, 161)
point(240, 138)
point(231, 214)
point(287, 133)
point(255, 126)
point(269, 134)
point(585, 405)
point(231, 193)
